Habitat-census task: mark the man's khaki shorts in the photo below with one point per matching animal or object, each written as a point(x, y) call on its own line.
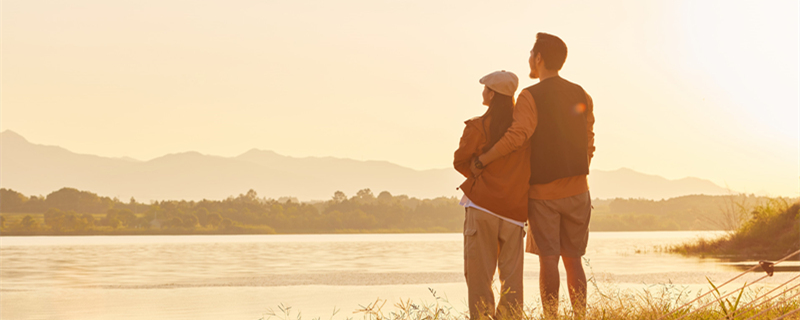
point(559, 227)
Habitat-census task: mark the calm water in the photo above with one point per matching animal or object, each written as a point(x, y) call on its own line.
point(241, 277)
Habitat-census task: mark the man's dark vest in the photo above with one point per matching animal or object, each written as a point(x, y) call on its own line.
point(559, 143)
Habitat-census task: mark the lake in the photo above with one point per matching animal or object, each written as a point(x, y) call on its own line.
point(243, 276)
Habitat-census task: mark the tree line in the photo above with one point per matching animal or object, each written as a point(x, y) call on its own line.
point(72, 211)
point(691, 212)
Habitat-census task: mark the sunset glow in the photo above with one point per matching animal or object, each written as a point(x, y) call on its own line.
point(681, 88)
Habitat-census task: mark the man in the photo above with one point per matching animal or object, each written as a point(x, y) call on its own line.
point(556, 118)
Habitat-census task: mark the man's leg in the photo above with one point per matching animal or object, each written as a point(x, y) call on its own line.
point(577, 211)
point(480, 261)
point(576, 281)
point(549, 281)
point(510, 264)
point(545, 223)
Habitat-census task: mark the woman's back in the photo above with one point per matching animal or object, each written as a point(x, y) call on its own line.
point(502, 187)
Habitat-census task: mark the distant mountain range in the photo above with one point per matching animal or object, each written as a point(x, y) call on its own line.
point(34, 169)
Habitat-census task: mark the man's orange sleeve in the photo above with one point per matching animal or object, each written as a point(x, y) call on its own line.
point(467, 150)
point(522, 127)
point(590, 126)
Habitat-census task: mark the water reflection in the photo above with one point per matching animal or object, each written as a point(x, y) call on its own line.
point(218, 277)
point(158, 261)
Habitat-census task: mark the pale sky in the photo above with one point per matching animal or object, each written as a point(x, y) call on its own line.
point(708, 89)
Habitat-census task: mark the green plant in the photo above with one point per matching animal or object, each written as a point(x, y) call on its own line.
point(727, 307)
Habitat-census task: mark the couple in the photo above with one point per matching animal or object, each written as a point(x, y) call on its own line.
point(527, 162)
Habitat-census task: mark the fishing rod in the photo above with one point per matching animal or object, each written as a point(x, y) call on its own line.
point(768, 267)
point(747, 306)
point(720, 297)
point(788, 314)
point(770, 308)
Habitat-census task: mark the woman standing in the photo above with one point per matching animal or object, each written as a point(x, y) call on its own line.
point(496, 203)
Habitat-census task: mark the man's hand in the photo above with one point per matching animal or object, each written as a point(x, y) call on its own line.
point(474, 167)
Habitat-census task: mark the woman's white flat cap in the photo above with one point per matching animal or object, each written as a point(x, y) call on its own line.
point(503, 82)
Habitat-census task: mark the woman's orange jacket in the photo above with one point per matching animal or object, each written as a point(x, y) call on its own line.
point(502, 187)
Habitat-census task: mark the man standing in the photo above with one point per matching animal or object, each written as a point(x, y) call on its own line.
point(556, 117)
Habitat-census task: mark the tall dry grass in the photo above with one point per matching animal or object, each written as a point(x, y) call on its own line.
point(606, 302)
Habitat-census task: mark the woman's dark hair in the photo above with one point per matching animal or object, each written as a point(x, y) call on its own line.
point(500, 114)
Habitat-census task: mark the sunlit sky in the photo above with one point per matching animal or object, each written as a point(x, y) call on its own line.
point(681, 88)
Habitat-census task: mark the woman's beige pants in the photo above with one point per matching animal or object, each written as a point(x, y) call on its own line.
point(492, 243)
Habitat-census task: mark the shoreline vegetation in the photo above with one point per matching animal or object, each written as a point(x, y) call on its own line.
point(769, 231)
point(69, 211)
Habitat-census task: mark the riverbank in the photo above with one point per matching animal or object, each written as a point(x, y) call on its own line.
point(771, 232)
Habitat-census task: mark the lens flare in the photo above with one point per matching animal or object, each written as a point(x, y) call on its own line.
point(579, 108)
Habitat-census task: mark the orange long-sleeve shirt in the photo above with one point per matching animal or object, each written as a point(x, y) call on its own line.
point(523, 126)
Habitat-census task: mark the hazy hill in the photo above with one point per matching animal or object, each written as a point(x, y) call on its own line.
point(36, 169)
point(626, 183)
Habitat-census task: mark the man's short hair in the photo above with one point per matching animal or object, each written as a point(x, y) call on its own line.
point(552, 49)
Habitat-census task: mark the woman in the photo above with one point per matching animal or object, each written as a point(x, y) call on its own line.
point(496, 203)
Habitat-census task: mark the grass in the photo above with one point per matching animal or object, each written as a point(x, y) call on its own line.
point(772, 232)
point(606, 302)
point(659, 302)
